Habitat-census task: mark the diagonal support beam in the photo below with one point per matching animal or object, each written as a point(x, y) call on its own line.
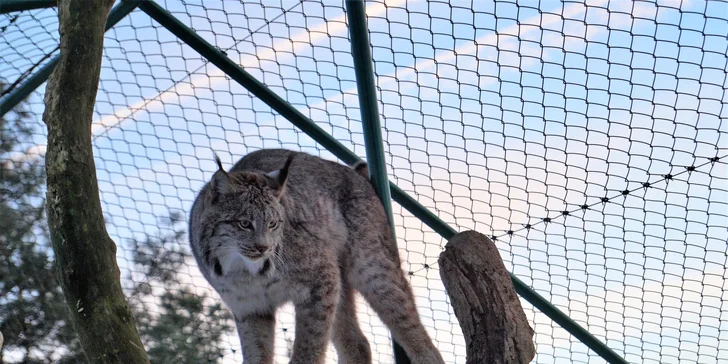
point(221, 61)
point(15, 97)
point(9, 6)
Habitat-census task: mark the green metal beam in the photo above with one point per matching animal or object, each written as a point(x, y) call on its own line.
point(37, 79)
point(9, 6)
point(371, 125)
point(220, 60)
point(373, 143)
point(20, 93)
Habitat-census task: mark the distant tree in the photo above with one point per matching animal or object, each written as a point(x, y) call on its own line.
point(186, 328)
point(176, 324)
point(32, 309)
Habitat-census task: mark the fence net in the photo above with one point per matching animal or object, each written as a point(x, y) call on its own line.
point(587, 139)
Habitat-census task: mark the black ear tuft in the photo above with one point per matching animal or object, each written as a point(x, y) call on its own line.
point(279, 177)
point(218, 161)
point(220, 180)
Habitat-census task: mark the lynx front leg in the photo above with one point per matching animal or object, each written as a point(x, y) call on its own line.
point(257, 334)
point(314, 320)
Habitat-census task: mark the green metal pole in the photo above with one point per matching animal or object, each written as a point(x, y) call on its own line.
point(9, 6)
point(37, 79)
point(371, 126)
point(286, 110)
point(373, 143)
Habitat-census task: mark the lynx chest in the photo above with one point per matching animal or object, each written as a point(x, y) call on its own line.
point(260, 295)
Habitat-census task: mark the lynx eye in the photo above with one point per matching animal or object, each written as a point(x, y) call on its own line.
point(245, 224)
point(272, 225)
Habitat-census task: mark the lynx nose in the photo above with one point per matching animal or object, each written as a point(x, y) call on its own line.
point(262, 248)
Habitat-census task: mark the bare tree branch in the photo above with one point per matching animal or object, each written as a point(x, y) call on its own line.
point(482, 295)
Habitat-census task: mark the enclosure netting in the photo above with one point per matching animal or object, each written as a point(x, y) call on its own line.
point(588, 139)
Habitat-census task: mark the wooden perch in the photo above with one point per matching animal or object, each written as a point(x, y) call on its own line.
point(482, 295)
point(84, 252)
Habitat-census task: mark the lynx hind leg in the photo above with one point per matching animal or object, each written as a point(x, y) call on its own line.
point(380, 279)
point(351, 345)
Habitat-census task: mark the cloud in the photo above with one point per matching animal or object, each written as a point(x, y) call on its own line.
point(490, 182)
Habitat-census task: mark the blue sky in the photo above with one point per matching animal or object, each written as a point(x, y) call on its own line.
point(495, 116)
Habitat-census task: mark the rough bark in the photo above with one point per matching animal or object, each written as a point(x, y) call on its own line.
point(86, 255)
point(482, 295)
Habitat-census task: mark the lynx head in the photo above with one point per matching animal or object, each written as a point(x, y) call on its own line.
point(243, 220)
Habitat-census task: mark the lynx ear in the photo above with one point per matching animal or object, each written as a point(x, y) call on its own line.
point(279, 177)
point(220, 180)
point(361, 168)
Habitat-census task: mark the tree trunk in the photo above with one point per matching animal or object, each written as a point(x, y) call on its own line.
point(86, 255)
point(482, 295)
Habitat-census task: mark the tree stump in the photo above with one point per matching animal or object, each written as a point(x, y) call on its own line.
point(485, 302)
point(85, 254)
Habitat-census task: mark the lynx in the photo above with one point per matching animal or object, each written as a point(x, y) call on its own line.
point(284, 226)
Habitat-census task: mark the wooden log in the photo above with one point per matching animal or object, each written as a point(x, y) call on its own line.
point(481, 292)
point(85, 254)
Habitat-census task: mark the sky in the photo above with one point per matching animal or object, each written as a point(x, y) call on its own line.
point(495, 115)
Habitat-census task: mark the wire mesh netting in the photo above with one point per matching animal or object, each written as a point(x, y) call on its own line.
point(587, 139)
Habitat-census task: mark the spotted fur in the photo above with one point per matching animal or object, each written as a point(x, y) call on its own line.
point(320, 234)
